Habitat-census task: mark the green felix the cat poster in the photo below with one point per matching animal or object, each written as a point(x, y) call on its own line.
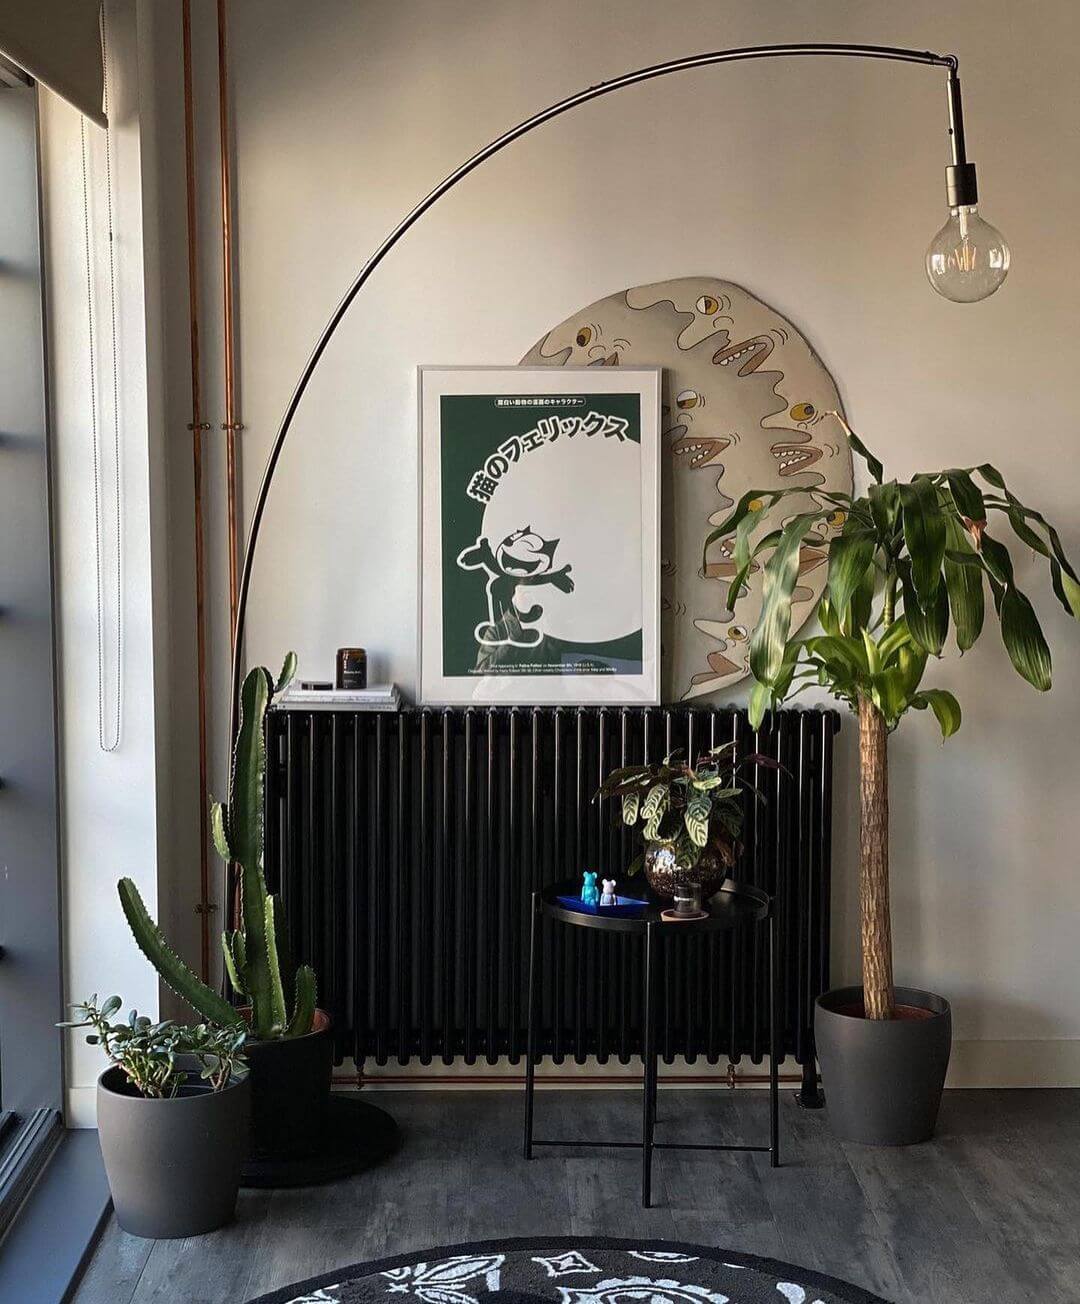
point(539, 535)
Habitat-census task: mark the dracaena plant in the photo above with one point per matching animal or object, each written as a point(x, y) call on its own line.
point(257, 957)
point(912, 558)
point(686, 806)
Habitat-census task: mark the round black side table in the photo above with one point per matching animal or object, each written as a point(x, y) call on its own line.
point(734, 906)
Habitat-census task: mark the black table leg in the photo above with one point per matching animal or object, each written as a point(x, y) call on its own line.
point(774, 1084)
point(530, 1039)
point(649, 1056)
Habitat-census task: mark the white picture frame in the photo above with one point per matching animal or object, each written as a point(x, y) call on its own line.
point(561, 606)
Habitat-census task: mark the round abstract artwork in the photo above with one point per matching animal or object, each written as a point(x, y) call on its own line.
point(743, 393)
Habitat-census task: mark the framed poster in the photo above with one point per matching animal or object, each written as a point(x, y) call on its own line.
point(539, 535)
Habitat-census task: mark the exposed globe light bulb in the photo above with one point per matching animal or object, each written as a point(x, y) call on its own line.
point(968, 258)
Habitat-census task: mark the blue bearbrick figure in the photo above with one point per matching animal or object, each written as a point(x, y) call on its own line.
point(590, 893)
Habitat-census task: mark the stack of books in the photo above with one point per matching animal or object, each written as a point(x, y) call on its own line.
point(379, 697)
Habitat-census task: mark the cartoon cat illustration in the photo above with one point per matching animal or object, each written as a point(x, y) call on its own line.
point(522, 559)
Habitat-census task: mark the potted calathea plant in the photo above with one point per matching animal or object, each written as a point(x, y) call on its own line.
point(910, 559)
point(289, 1045)
point(689, 816)
point(172, 1111)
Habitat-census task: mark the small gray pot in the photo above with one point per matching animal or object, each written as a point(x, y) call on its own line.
point(173, 1165)
point(883, 1078)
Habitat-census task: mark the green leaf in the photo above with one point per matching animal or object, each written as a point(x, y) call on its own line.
point(656, 802)
point(219, 828)
point(847, 651)
point(911, 663)
point(303, 1003)
point(249, 761)
point(996, 559)
point(653, 808)
point(895, 637)
point(862, 601)
point(1066, 583)
point(964, 584)
point(850, 556)
point(887, 691)
point(288, 670)
point(924, 535)
point(872, 464)
point(745, 528)
point(827, 617)
point(1023, 638)
point(232, 967)
point(760, 702)
point(631, 804)
point(769, 498)
point(1067, 589)
point(885, 507)
point(943, 705)
point(696, 819)
point(774, 625)
point(928, 626)
point(277, 992)
point(966, 494)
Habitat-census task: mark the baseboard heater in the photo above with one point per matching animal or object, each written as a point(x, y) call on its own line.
point(406, 846)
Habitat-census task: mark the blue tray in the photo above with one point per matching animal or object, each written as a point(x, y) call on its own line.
point(624, 907)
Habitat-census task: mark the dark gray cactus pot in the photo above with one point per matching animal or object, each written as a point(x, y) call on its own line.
point(290, 1091)
point(883, 1078)
point(173, 1165)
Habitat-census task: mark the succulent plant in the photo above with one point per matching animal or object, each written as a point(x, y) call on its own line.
point(152, 1055)
point(257, 956)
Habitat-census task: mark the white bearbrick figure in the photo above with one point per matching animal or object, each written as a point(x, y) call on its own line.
point(607, 897)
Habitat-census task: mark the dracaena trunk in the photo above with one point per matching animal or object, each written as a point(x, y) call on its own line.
point(874, 862)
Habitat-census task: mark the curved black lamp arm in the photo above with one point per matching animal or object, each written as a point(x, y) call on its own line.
point(961, 180)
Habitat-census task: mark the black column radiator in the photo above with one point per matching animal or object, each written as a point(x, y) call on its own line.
point(406, 847)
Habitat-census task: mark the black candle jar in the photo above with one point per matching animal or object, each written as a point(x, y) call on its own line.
point(351, 667)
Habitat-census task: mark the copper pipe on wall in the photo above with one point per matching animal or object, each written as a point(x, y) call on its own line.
point(516, 1080)
point(231, 423)
point(197, 426)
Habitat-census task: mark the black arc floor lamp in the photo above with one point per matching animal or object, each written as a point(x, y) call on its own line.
point(967, 260)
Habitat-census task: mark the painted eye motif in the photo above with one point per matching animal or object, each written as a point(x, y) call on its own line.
point(688, 398)
point(803, 412)
point(836, 519)
point(738, 633)
point(708, 305)
point(583, 337)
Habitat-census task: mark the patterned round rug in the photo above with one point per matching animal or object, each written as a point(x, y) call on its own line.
point(550, 1270)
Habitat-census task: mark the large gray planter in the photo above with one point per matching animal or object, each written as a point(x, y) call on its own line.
point(173, 1165)
point(883, 1078)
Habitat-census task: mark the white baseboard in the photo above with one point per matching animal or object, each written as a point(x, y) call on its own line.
point(1053, 1063)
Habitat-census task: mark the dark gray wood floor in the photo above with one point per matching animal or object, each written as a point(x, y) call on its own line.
point(987, 1213)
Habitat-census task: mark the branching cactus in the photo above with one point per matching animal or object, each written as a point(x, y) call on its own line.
point(257, 957)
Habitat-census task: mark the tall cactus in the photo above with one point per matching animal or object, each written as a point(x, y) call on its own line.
point(256, 956)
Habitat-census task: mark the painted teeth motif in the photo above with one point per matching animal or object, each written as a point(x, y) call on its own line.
point(791, 457)
point(700, 452)
point(751, 348)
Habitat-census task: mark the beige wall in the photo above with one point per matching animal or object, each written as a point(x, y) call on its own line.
point(817, 185)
